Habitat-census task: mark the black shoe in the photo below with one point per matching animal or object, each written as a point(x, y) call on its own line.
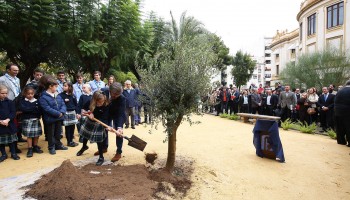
point(126, 126)
point(30, 152)
point(3, 157)
point(133, 127)
point(52, 151)
point(18, 150)
point(81, 151)
point(37, 149)
point(73, 144)
point(21, 140)
point(15, 157)
point(100, 161)
point(61, 148)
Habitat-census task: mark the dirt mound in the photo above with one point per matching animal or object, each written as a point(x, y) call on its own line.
point(94, 182)
point(61, 183)
point(151, 157)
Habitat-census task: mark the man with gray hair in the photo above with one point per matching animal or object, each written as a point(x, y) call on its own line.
point(131, 102)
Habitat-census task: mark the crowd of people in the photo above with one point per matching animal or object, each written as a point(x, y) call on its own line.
point(56, 102)
point(327, 108)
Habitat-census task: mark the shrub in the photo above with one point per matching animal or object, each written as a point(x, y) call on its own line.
point(331, 133)
point(234, 117)
point(224, 115)
point(304, 128)
point(287, 124)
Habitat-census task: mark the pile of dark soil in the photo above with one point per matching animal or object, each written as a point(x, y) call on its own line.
point(151, 157)
point(104, 182)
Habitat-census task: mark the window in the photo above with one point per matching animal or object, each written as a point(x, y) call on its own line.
point(277, 55)
point(293, 51)
point(255, 77)
point(267, 48)
point(268, 62)
point(311, 24)
point(301, 31)
point(277, 70)
point(335, 15)
point(267, 55)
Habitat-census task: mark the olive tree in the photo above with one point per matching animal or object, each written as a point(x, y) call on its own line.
point(175, 79)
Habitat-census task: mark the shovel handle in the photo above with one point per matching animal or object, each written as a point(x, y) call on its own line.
point(104, 125)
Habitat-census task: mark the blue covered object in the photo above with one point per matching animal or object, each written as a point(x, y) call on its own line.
point(273, 139)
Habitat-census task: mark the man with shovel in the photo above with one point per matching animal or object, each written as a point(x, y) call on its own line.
point(117, 115)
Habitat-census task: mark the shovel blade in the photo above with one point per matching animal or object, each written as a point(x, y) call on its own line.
point(137, 143)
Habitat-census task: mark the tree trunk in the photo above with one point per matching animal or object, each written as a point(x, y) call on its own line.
point(170, 163)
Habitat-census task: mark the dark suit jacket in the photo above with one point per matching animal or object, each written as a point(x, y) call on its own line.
point(131, 98)
point(117, 109)
point(228, 96)
point(328, 103)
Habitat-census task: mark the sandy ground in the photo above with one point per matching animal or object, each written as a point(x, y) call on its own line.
point(225, 163)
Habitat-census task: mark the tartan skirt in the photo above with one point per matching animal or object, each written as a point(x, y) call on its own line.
point(8, 138)
point(92, 131)
point(70, 118)
point(31, 128)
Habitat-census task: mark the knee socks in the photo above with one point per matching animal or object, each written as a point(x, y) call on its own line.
point(2, 149)
point(100, 147)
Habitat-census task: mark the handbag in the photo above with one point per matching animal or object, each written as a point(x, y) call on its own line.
point(311, 111)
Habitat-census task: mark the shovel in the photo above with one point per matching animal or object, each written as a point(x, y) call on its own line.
point(134, 141)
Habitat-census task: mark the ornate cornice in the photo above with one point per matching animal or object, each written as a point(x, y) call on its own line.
point(284, 37)
point(306, 5)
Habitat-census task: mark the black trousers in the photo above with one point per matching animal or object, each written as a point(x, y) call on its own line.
point(54, 134)
point(286, 113)
point(342, 128)
point(326, 119)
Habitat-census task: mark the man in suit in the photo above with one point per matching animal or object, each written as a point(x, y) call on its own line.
point(271, 102)
point(255, 100)
point(326, 103)
point(11, 81)
point(287, 101)
point(131, 102)
point(117, 114)
point(342, 114)
point(235, 99)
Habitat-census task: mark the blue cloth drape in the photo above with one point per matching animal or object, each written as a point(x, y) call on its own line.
point(274, 140)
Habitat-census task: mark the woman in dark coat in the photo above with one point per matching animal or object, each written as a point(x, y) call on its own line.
point(303, 106)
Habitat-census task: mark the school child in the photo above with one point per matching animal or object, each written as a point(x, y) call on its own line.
point(53, 109)
point(70, 118)
point(84, 99)
point(91, 130)
point(31, 113)
point(7, 126)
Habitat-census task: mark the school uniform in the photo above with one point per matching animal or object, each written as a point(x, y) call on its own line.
point(8, 111)
point(77, 90)
point(96, 85)
point(31, 113)
point(92, 130)
point(52, 106)
point(72, 106)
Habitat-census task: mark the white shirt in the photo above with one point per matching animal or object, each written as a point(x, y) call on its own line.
point(268, 100)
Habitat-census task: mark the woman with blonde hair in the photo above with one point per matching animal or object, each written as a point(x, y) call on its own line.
point(312, 99)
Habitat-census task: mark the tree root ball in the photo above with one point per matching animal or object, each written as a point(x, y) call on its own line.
point(151, 157)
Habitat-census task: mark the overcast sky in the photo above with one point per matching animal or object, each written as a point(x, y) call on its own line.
point(242, 24)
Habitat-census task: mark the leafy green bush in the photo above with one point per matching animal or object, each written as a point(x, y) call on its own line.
point(224, 115)
point(304, 128)
point(234, 117)
point(287, 124)
point(331, 133)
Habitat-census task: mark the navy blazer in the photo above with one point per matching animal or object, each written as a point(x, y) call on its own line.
point(131, 98)
point(52, 107)
point(328, 103)
point(8, 110)
point(116, 109)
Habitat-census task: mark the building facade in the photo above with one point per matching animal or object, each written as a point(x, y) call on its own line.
point(323, 24)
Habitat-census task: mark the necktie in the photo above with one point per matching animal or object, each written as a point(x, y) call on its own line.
point(325, 97)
